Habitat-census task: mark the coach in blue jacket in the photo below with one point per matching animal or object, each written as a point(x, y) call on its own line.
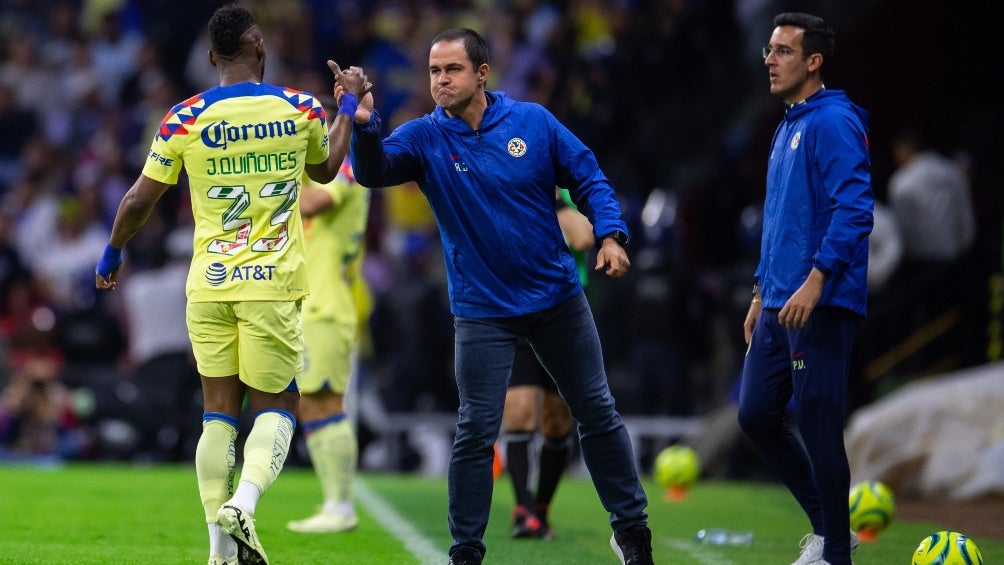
point(810, 288)
point(488, 166)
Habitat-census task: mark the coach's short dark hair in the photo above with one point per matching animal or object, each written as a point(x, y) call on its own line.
point(818, 36)
point(226, 26)
point(474, 44)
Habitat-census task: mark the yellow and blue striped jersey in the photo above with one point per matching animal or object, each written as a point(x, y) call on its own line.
point(244, 148)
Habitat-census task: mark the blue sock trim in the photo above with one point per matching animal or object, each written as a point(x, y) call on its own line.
point(290, 417)
point(314, 425)
point(226, 418)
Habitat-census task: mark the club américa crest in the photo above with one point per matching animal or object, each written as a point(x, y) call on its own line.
point(516, 147)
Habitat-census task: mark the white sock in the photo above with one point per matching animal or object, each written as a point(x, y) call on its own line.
point(246, 496)
point(343, 508)
point(220, 543)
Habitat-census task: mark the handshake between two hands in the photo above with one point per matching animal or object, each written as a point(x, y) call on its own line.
point(353, 81)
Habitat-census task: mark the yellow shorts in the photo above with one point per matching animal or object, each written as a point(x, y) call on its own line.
point(326, 356)
point(259, 340)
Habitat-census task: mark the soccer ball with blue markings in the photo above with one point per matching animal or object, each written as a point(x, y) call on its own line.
point(947, 548)
point(872, 507)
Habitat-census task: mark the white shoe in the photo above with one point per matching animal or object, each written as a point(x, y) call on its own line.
point(221, 560)
point(812, 549)
point(324, 522)
point(239, 523)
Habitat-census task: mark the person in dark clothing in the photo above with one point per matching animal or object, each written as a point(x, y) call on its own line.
point(810, 290)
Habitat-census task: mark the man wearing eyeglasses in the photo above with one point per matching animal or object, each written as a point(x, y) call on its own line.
point(810, 290)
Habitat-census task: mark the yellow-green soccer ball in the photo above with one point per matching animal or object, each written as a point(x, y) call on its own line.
point(677, 466)
point(872, 506)
point(947, 548)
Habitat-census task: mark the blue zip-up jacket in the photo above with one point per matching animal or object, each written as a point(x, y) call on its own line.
point(492, 193)
point(818, 211)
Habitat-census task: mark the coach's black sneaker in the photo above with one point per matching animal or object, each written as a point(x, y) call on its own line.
point(633, 545)
point(237, 522)
point(465, 556)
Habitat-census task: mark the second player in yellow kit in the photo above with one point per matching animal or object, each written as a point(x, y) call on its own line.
point(334, 222)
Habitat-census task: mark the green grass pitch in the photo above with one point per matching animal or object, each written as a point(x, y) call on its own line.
point(97, 514)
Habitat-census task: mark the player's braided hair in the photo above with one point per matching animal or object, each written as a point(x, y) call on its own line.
point(226, 27)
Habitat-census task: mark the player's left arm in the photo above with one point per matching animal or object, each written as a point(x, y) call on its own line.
point(133, 212)
point(338, 142)
point(351, 87)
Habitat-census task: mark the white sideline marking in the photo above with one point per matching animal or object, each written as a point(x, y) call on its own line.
point(702, 554)
point(399, 527)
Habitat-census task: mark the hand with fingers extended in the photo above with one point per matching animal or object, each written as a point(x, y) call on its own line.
point(353, 81)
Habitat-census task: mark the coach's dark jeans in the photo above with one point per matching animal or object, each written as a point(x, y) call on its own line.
point(565, 340)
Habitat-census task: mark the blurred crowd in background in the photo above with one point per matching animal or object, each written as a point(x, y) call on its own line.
point(672, 97)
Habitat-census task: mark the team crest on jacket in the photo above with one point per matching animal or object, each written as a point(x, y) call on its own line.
point(517, 147)
point(795, 139)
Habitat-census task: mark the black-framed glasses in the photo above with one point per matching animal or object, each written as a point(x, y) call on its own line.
point(780, 51)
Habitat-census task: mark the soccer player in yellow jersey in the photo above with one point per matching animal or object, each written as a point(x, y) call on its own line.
point(245, 146)
point(334, 221)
